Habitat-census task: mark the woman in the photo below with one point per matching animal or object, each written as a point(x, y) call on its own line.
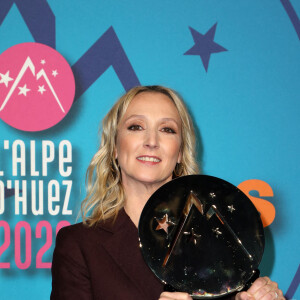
point(147, 139)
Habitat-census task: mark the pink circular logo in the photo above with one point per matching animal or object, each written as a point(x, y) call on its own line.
point(37, 87)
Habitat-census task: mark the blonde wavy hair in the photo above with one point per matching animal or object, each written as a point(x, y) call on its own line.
point(105, 193)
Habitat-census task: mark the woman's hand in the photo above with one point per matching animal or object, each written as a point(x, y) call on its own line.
point(174, 296)
point(261, 289)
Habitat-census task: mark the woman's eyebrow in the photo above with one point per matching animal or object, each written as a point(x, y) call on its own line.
point(144, 117)
point(169, 120)
point(135, 116)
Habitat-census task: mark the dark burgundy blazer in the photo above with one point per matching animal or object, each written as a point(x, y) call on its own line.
point(102, 263)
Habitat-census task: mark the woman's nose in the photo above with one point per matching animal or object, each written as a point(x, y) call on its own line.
point(151, 139)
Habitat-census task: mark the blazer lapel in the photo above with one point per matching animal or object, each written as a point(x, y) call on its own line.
point(123, 247)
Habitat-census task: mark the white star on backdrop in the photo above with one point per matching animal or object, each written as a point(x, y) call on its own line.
point(54, 73)
point(43, 61)
point(5, 78)
point(23, 90)
point(41, 89)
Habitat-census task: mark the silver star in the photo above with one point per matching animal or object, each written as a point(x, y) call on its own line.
point(230, 208)
point(194, 236)
point(217, 231)
point(212, 195)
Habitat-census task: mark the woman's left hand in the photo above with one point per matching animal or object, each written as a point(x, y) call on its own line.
point(261, 289)
point(174, 296)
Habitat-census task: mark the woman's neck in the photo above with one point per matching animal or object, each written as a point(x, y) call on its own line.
point(136, 196)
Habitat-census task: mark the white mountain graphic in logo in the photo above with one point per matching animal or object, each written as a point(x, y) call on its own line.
point(23, 90)
point(37, 87)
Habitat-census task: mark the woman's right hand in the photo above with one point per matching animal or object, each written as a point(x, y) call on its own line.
point(174, 296)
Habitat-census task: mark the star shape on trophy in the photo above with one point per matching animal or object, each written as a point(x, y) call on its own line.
point(164, 223)
point(194, 236)
point(217, 231)
point(230, 208)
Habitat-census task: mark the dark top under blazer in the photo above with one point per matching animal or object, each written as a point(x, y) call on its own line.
point(102, 263)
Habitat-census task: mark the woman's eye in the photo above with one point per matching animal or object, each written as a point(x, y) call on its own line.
point(168, 130)
point(135, 127)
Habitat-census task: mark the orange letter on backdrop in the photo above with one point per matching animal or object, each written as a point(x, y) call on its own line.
point(266, 208)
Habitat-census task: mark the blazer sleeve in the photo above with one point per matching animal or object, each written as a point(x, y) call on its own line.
point(70, 275)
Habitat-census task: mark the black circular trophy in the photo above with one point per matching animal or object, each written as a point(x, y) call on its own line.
point(201, 235)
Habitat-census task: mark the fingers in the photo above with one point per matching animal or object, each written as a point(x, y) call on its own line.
point(262, 289)
point(258, 284)
point(244, 296)
point(278, 295)
point(175, 296)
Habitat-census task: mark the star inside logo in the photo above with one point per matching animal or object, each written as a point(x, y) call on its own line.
point(23, 90)
point(5, 78)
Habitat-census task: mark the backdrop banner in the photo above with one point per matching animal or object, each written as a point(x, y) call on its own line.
point(64, 63)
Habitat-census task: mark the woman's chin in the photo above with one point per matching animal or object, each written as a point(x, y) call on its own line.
point(152, 180)
point(145, 178)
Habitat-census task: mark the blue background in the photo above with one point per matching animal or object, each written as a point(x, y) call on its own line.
point(246, 106)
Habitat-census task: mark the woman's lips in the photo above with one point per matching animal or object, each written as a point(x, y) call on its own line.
point(149, 159)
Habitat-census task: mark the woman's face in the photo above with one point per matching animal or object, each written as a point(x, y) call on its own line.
point(148, 142)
